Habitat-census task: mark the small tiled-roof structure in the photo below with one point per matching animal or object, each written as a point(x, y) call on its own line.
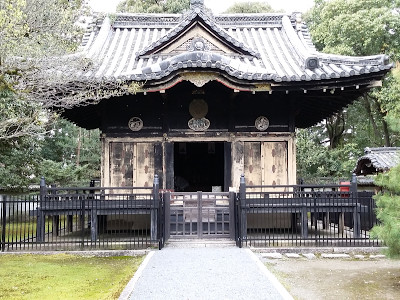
point(377, 160)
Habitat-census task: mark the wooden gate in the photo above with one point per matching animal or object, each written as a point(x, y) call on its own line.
point(199, 215)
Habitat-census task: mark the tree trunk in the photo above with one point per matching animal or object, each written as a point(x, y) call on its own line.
point(385, 126)
point(335, 127)
point(386, 133)
point(367, 105)
point(78, 147)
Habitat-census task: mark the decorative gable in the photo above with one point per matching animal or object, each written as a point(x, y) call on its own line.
point(198, 27)
point(198, 39)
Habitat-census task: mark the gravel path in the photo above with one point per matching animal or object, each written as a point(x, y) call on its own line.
point(204, 273)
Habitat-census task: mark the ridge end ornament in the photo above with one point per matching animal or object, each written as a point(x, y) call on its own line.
point(135, 124)
point(262, 123)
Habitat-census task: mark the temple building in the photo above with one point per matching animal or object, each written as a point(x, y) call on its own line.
point(218, 96)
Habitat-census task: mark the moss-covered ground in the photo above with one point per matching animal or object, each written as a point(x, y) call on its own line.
point(64, 276)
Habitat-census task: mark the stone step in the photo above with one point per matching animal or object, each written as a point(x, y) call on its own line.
point(199, 243)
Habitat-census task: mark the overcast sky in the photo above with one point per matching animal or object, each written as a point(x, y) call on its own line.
point(218, 6)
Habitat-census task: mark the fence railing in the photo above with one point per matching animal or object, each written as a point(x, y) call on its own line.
point(304, 215)
point(137, 218)
point(83, 218)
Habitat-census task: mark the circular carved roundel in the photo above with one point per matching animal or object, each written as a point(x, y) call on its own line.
point(262, 123)
point(198, 108)
point(135, 124)
point(199, 124)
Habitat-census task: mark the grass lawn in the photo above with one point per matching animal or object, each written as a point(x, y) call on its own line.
point(65, 276)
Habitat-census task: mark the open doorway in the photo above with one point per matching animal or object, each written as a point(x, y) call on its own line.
point(199, 167)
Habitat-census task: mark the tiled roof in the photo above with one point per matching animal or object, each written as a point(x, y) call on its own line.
point(377, 160)
point(257, 47)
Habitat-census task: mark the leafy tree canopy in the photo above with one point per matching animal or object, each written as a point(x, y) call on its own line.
point(153, 6)
point(391, 95)
point(19, 160)
point(250, 7)
point(356, 27)
point(32, 33)
point(37, 28)
point(31, 30)
point(324, 162)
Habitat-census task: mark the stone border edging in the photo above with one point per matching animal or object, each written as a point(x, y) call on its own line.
point(300, 250)
point(96, 253)
point(274, 281)
point(131, 284)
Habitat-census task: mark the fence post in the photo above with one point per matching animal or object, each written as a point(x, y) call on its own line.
point(55, 218)
point(154, 209)
point(3, 200)
point(160, 223)
point(82, 220)
point(243, 212)
point(199, 215)
point(356, 204)
point(167, 215)
point(40, 225)
point(232, 216)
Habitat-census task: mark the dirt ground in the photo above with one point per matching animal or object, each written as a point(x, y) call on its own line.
point(324, 278)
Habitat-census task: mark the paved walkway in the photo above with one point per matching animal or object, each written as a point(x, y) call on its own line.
point(203, 273)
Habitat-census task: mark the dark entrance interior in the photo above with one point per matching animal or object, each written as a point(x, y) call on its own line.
point(198, 166)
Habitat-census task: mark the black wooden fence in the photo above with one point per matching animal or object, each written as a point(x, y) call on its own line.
point(134, 218)
point(83, 218)
point(305, 215)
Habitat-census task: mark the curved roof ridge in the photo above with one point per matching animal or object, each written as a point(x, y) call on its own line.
point(302, 49)
point(202, 59)
point(371, 60)
point(380, 149)
point(96, 46)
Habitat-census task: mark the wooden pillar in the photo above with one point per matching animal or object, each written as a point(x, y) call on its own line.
point(237, 162)
point(227, 166)
point(158, 163)
point(169, 165)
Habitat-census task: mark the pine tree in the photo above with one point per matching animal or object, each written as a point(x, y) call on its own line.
point(388, 211)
